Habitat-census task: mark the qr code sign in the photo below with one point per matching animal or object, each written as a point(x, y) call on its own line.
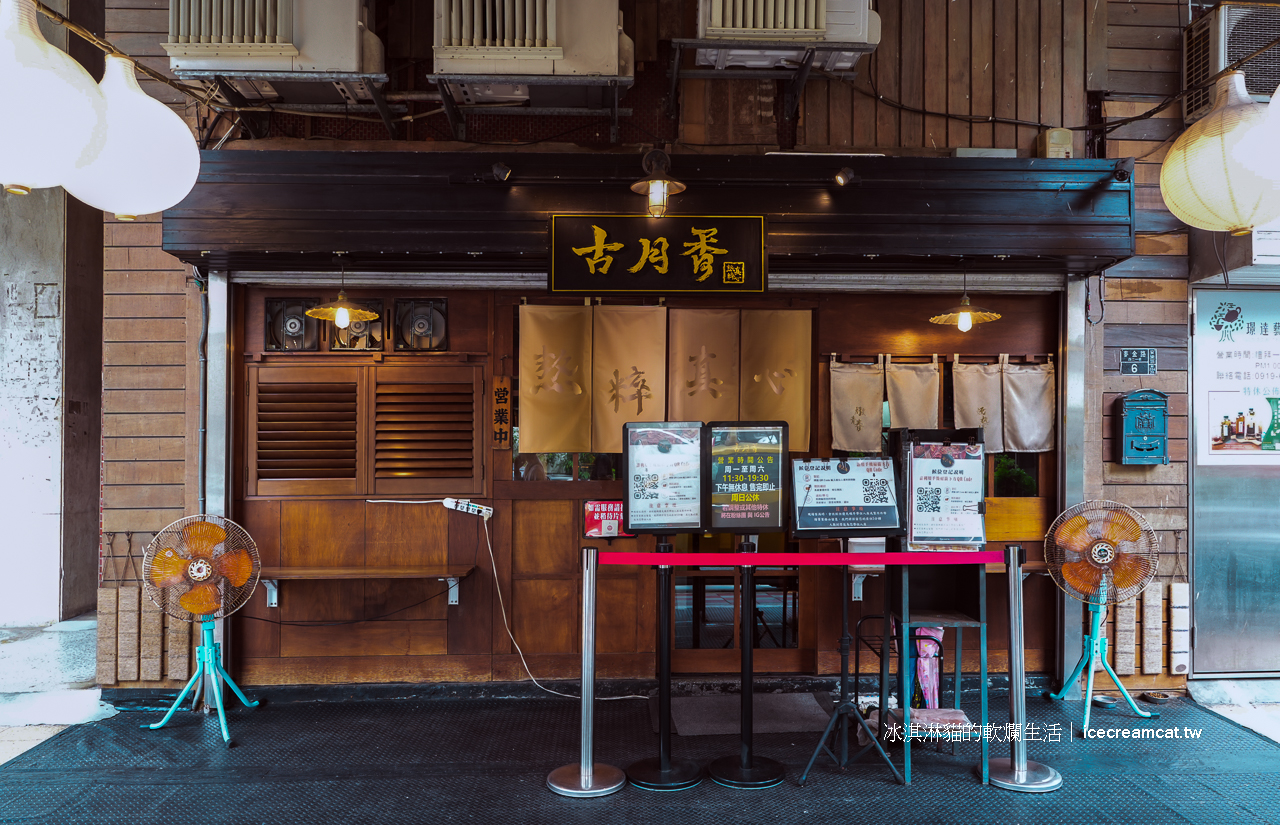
point(875, 491)
point(928, 500)
point(735, 272)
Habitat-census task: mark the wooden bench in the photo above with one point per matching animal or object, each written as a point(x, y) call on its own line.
point(451, 573)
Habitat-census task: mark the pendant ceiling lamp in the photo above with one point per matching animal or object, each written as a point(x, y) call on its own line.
point(1216, 175)
point(149, 160)
point(52, 109)
point(342, 312)
point(658, 184)
point(965, 316)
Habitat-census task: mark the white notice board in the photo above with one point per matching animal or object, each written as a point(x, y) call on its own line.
point(664, 477)
point(946, 496)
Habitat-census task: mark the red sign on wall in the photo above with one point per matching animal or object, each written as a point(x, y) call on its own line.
point(603, 520)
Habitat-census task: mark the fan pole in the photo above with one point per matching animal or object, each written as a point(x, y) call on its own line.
point(207, 663)
point(1017, 773)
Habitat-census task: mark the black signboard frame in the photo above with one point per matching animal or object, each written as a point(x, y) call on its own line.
point(784, 470)
point(734, 249)
point(704, 501)
point(899, 492)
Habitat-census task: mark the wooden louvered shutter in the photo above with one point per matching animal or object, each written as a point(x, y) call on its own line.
point(426, 430)
point(304, 431)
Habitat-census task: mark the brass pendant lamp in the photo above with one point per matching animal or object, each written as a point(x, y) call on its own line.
point(342, 312)
point(965, 316)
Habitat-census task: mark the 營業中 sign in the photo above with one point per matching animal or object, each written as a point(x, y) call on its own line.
point(593, 254)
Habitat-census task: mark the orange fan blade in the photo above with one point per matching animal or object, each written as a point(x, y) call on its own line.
point(236, 566)
point(1083, 576)
point(202, 537)
point(168, 568)
point(1128, 570)
point(1120, 526)
point(202, 599)
point(1073, 535)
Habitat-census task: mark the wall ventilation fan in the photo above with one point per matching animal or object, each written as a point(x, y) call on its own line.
point(359, 335)
point(202, 568)
point(288, 328)
point(1101, 553)
point(421, 324)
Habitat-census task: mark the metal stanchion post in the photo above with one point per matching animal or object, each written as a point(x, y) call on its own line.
point(747, 770)
point(588, 777)
point(664, 773)
point(1017, 773)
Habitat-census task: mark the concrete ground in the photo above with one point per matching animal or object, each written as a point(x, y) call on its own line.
point(47, 682)
point(1252, 703)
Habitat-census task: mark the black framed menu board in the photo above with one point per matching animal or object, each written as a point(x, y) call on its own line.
point(748, 476)
point(665, 485)
point(845, 498)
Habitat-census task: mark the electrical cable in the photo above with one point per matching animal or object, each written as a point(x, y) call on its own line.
point(1102, 299)
point(1222, 261)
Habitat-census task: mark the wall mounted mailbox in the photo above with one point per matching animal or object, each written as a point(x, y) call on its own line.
point(1143, 419)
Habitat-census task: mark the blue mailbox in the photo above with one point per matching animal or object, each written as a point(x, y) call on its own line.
point(1142, 417)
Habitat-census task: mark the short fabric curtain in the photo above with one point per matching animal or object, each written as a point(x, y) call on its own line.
point(857, 406)
point(979, 403)
point(1029, 406)
point(915, 394)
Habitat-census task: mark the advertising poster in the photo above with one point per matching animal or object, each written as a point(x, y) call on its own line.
point(833, 495)
point(1237, 377)
point(946, 495)
point(747, 476)
point(664, 477)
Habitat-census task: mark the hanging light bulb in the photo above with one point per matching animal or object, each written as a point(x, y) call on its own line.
point(149, 160)
point(658, 186)
point(965, 316)
point(1216, 176)
point(342, 312)
point(53, 111)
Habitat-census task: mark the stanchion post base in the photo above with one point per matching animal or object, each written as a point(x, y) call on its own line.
point(680, 775)
point(763, 773)
point(1036, 778)
point(569, 781)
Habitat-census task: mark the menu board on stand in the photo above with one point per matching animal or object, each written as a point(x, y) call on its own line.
point(845, 498)
point(747, 479)
point(665, 485)
point(946, 490)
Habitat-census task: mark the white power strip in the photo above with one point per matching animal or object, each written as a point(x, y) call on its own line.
point(463, 505)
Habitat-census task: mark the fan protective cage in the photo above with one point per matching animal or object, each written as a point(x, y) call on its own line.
point(204, 562)
point(1101, 541)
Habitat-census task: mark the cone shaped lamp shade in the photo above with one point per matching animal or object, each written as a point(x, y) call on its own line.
point(342, 312)
point(1215, 176)
point(149, 160)
point(51, 112)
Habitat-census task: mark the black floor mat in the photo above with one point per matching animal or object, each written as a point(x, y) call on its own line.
point(485, 761)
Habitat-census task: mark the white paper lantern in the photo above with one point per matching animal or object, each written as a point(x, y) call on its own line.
point(1213, 177)
point(149, 161)
point(52, 110)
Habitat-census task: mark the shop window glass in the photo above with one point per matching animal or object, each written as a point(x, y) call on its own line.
point(562, 466)
point(707, 600)
point(1017, 475)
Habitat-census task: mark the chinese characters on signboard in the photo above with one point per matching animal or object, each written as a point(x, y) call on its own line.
point(833, 495)
point(747, 477)
point(945, 498)
point(664, 477)
point(501, 412)
point(1237, 377)
point(602, 519)
point(594, 254)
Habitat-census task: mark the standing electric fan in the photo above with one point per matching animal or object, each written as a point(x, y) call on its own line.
point(202, 568)
point(1102, 553)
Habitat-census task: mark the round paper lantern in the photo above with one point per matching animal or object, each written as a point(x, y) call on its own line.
point(1212, 178)
point(52, 121)
point(149, 161)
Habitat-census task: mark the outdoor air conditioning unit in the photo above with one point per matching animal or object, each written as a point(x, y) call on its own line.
point(779, 22)
point(498, 39)
point(1228, 32)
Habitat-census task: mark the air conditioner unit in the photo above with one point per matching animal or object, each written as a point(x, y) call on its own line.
point(782, 22)
point(1228, 32)
point(494, 39)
